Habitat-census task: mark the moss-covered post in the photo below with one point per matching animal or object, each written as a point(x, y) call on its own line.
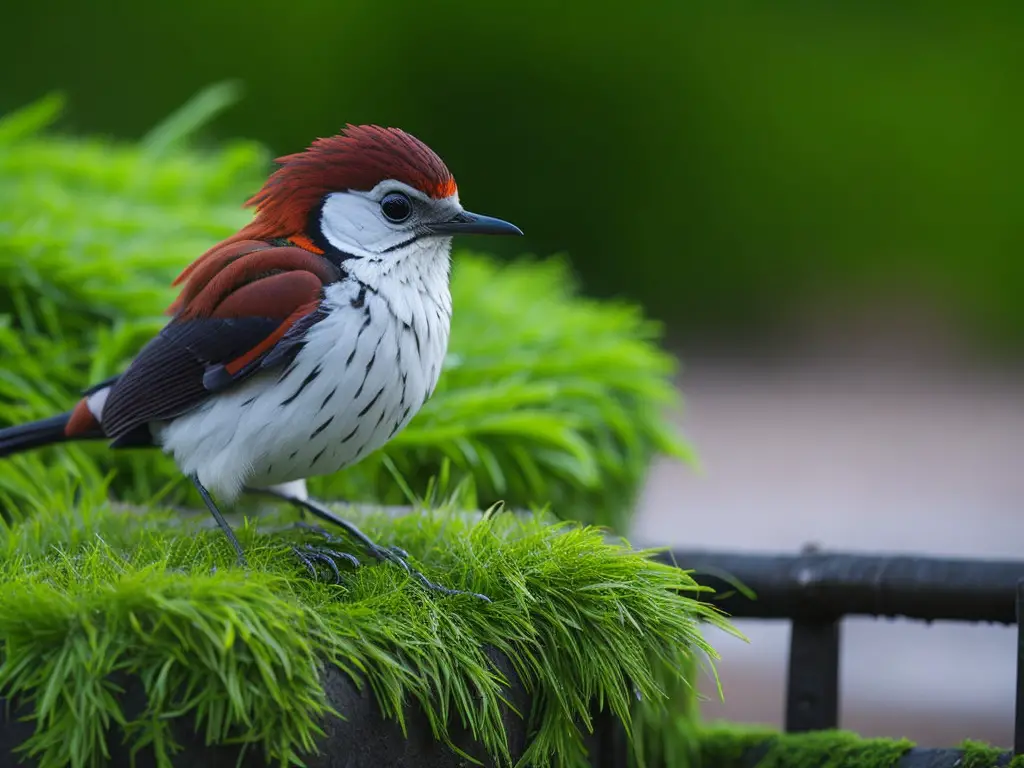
point(125, 628)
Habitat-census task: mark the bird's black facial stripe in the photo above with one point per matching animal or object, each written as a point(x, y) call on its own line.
point(315, 232)
point(402, 244)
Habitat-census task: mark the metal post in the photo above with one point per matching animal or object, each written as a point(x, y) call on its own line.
point(812, 689)
point(1018, 725)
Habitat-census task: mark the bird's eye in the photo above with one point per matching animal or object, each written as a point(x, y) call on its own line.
point(396, 207)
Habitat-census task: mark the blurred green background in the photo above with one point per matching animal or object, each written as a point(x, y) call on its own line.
point(725, 163)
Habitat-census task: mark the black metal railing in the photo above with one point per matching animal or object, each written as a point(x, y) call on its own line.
point(815, 590)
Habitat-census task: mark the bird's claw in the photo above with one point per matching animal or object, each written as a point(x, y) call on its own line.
point(391, 554)
point(310, 556)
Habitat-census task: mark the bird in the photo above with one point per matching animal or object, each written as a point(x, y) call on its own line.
point(303, 342)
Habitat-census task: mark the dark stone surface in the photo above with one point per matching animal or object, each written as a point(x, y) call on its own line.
point(914, 758)
point(364, 739)
point(941, 758)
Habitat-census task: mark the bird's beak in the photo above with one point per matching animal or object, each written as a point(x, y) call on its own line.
point(467, 223)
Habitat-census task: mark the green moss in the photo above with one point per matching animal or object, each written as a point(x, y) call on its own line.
point(980, 755)
point(832, 749)
point(90, 594)
point(546, 398)
point(723, 745)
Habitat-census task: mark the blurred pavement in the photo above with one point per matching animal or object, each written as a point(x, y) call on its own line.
point(874, 455)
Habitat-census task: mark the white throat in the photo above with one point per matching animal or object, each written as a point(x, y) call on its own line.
point(424, 265)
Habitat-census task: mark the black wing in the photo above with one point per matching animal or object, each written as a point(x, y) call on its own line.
point(257, 322)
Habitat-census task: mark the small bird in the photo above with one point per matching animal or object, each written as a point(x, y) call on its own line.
point(303, 342)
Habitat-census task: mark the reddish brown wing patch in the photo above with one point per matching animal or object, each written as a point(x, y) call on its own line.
point(238, 304)
point(217, 257)
point(254, 279)
point(274, 296)
point(82, 422)
point(197, 274)
point(291, 295)
point(236, 365)
point(203, 299)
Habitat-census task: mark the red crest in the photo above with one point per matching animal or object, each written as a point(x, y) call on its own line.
point(360, 157)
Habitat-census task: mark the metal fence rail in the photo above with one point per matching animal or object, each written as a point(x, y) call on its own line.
point(815, 590)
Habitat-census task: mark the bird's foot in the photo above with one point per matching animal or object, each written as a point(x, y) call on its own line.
point(311, 555)
point(394, 555)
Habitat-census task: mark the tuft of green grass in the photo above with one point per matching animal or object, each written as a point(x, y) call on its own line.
point(977, 754)
point(96, 596)
point(724, 745)
point(545, 398)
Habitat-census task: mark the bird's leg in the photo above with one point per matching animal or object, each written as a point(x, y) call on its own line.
point(392, 554)
point(219, 518)
point(308, 554)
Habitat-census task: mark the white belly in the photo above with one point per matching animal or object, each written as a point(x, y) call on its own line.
point(363, 374)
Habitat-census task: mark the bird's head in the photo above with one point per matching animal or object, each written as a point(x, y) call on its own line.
point(369, 192)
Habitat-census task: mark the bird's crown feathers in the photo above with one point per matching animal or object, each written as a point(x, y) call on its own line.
point(358, 158)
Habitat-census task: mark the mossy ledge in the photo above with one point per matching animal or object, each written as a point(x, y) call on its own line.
point(726, 745)
point(121, 629)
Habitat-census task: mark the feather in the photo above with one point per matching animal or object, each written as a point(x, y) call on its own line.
point(197, 274)
point(204, 293)
point(81, 422)
point(238, 310)
point(359, 158)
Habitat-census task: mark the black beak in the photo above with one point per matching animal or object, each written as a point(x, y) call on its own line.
point(467, 223)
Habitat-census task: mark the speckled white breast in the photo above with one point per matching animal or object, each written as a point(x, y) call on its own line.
point(364, 372)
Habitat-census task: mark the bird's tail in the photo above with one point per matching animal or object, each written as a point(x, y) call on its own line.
point(35, 434)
